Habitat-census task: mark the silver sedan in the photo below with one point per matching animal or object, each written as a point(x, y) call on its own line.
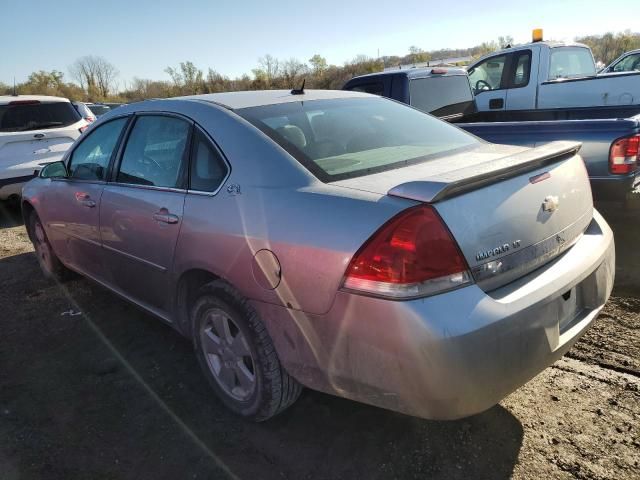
point(333, 240)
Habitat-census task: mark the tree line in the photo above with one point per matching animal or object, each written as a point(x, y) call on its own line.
point(94, 78)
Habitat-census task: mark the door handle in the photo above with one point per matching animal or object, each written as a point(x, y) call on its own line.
point(165, 217)
point(496, 103)
point(85, 200)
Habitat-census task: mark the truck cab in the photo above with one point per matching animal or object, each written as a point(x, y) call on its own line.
point(548, 75)
point(416, 87)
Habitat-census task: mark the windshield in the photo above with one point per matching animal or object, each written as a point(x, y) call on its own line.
point(345, 138)
point(571, 62)
point(21, 117)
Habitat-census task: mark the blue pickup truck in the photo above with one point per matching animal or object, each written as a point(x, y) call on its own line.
point(610, 136)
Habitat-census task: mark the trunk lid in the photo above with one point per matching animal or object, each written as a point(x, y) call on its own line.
point(511, 209)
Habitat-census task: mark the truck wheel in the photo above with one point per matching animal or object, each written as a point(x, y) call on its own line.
point(237, 354)
point(49, 262)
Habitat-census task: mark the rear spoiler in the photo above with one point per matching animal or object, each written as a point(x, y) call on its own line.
point(446, 185)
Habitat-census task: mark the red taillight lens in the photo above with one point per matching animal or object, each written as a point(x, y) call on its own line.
point(82, 129)
point(623, 157)
point(412, 255)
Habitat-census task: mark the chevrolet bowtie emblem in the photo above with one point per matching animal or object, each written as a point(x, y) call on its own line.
point(550, 204)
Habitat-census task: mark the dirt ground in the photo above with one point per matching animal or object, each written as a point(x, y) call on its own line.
point(114, 393)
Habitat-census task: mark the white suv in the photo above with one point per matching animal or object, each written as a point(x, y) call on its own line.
point(34, 130)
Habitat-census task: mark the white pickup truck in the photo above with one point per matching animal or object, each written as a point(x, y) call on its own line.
point(548, 75)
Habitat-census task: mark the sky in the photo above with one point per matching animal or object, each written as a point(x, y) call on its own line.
point(143, 37)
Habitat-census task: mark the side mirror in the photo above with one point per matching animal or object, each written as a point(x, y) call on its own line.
point(54, 170)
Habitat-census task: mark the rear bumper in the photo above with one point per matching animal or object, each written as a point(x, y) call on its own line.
point(454, 354)
point(613, 188)
point(13, 185)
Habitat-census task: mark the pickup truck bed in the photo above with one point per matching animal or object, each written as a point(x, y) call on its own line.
point(596, 136)
point(446, 93)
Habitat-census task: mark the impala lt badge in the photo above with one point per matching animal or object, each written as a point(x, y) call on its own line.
point(550, 204)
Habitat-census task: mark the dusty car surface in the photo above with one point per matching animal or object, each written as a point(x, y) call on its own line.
point(335, 240)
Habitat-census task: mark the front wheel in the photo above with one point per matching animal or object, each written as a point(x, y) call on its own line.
point(237, 355)
point(49, 262)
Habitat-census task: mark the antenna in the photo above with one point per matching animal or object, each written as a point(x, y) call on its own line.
point(299, 91)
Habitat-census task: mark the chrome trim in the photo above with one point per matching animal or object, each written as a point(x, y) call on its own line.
point(520, 262)
point(148, 187)
point(133, 257)
point(213, 144)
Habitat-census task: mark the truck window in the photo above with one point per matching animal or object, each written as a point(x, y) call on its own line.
point(375, 88)
point(432, 93)
point(487, 75)
point(628, 64)
point(522, 71)
point(571, 62)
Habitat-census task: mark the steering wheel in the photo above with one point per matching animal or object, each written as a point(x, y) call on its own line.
point(479, 83)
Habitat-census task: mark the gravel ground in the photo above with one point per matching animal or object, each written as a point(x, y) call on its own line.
point(114, 393)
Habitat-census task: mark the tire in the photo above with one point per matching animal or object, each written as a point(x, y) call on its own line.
point(49, 262)
point(237, 354)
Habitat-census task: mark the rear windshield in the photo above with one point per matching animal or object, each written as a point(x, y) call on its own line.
point(432, 93)
point(352, 137)
point(37, 116)
point(571, 62)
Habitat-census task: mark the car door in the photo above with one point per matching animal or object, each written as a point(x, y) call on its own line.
point(521, 91)
point(71, 212)
point(489, 83)
point(142, 207)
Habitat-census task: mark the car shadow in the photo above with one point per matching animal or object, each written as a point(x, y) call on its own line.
point(10, 215)
point(94, 387)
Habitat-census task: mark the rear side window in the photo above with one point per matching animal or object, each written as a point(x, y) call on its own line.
point(21, 117)
point(155, 152)
point(90, 159)
point(375, 88)
point(522, 69)
point(433, 93)
point(208, 169)
point(487, 75)
point(571, 62)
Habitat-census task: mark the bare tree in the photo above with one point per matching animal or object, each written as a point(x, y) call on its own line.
point(292, 69)
point(94, 74)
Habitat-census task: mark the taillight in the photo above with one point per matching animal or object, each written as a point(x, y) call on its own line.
point(623, 157)
point(83, 128)
point(412, 255)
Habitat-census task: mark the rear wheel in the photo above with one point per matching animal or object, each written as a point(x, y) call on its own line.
point(237, 355)
point(49, 262)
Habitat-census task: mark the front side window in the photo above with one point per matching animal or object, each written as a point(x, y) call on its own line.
point(155, 152)
point(628, 64)
point(351, 137)
point(208, 169)
point(487, 75)
point(90, 159)
point(571, 62)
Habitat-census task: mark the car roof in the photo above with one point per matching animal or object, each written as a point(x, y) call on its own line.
point(258, 98)
point(413, 72)
point(6, 99)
